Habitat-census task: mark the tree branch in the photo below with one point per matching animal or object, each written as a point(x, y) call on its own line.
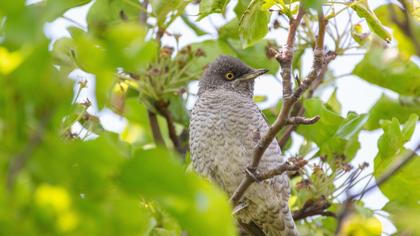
point(298, 109)
point(154, 125)
point(280, 169)
point(162, 107)
point(289, 99)
point(19, 161)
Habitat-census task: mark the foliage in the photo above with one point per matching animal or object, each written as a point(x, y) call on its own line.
point(58, 178)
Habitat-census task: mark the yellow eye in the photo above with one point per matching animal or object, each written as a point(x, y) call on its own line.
point(229, 76)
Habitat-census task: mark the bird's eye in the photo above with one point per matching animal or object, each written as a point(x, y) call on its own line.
point(229, 76)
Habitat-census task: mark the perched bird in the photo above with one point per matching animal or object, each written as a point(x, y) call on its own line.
point(225, 127)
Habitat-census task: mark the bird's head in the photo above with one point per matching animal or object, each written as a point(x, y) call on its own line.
point(229, 73)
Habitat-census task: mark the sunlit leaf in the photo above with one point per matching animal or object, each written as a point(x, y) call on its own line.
point(333, 134)
point(107, 13)
point(314, 4)
point(241, 7)
point(401, 188)
point(333, 102)
point(359, 225)
point(253, 24)
point(212, 6)
point(385, 68)
point(9, 60)
point(162, 8)
point(387, 108)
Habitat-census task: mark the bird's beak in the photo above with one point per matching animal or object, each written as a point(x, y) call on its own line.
point(253, 74)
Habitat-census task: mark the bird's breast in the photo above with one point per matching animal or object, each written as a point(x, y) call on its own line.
point(221, 131)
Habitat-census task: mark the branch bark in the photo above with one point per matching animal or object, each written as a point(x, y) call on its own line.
point(154, 125)
point(298, 109)
point(299, 120)
point(162, 107)
point(289, 99)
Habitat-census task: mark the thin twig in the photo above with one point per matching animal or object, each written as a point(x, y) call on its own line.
point(391, 171)
point(286, 59)
point(298, 109)
point(279, 170)
point(312, 208)
point(298, 120)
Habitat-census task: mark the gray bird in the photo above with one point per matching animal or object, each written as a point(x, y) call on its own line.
point(225, 127)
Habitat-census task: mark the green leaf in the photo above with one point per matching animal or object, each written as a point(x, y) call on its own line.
point(405, 219)
point(325, 128)
point(259, 98)
point(91, 57)
point(333, 102)
point(56, 8)
point(392, 139)
point(90, 163)
point(126, 47)
point(63, 53)
point(198, 206)
point(353, 124)
point(253, 25)
point(333, 134)
point(162, 9)
point(177, 107)
point(387, 108)
point(385, 68)
point(256, 56)
point(401, 190)
point(409, 127)
point(212, 49)
point(363, 11)
point(314, 4)
point(208, 7)
point(241, 7)
point(229, 30)
point(107, 13)
point(405, 44)
point(84, 170)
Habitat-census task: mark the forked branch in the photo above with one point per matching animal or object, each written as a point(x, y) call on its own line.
point(284, 57)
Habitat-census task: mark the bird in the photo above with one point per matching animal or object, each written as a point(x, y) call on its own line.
point(225, 127)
